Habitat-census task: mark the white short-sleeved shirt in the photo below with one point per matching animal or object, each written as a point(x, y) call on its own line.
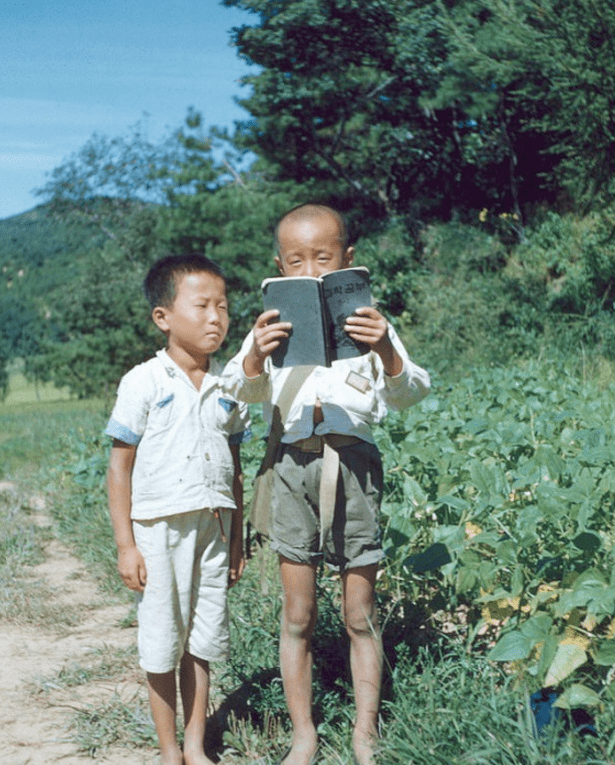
point(183, 461)
point(354, 393)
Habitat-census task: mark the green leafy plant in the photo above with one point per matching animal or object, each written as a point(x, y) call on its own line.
point(501, 492)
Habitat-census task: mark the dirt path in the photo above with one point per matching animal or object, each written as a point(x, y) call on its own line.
point(37, 712)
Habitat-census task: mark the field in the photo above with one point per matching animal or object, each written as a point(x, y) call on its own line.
point(499, 582)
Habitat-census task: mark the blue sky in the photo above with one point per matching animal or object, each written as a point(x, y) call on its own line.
point(69, 68)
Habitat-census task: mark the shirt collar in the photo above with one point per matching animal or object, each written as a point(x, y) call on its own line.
point(173, 369)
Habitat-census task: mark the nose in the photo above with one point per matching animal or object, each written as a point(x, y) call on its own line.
point(214, 315)
point(311, 269)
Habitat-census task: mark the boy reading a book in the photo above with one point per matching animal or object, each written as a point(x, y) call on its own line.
point(175, 496)
point(326, 456)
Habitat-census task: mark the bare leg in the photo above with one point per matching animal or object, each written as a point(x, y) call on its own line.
point(194, 688)
point(361, 620)
point(163, 702)
point(298, 620)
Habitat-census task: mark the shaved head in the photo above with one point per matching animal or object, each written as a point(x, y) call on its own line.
point(310, 212)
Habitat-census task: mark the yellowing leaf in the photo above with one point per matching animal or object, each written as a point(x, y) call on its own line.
point(472, 530)
point(498, 611)
point(568, 657)
point(544, 587)
point(573, 637)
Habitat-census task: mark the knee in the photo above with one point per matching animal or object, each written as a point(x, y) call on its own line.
point(361, 620)
point(299, 618)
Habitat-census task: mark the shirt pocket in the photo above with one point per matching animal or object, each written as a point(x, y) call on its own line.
point(161, 412)
point(225, 413)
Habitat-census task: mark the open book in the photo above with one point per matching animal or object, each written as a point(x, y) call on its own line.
point(317, 307)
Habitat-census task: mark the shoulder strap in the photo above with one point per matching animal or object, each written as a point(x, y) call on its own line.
point(296, 377)
point(261, 497)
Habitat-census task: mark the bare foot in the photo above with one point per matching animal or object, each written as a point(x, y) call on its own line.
point(364, 745)
point(302, 752)
point(171, 757)
point(196, 758)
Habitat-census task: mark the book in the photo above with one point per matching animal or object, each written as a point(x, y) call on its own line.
point(318, 308)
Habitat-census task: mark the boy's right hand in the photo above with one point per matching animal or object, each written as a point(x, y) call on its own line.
point(132, 569)
point(268, 334)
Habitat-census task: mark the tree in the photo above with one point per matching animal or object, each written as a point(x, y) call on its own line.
point(108, 179)
point(419, 107)
point(336, 104)
point(350, 98)
point(103, 326)
point(546, 70)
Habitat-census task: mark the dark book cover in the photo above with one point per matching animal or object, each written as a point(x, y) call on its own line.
point(317, 307)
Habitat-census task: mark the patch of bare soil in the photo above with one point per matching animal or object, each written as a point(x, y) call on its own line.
point(36, 713)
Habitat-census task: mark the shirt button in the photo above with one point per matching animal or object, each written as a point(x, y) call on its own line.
point(207, 455)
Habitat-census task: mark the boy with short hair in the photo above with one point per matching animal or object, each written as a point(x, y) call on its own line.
point(331, 413)
point(175, 496)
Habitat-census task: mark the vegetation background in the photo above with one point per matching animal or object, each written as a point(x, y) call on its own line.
point(471, 145)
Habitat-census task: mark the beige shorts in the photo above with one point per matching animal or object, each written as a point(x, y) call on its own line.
point(183, 608)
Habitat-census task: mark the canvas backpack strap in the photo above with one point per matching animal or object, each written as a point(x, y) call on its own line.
point(260, 509)
point(328, 489)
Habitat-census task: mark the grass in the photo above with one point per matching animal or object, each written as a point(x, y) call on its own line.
point(21, 542)
point(452, 707)
point(106, 663)
point(22, 391)
point(114, 723)
point(30, 455)
point(30, 433)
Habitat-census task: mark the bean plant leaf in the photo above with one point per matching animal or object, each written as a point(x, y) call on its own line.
point(537, 627)
point(433, 557)
point(576, 696)
point(567, 658)
point(605, 655)
point(511, 647)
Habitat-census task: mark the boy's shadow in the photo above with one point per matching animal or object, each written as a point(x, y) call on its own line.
point(403, 623)
point(239, 705)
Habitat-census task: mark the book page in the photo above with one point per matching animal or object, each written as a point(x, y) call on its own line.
point(344, 291)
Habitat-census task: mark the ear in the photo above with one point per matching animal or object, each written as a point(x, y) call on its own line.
point(159, 317)
point(348, 258)
point(278, 261)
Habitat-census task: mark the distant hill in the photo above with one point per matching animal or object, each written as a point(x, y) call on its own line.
point(43, 249)
point(42, 254)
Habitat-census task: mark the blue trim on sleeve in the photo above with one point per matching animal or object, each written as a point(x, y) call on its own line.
point(240, 438)
point(121, 433)
point(227, 404)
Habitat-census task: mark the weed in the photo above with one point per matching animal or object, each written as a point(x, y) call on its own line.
point(115, 722)
point(246, 741)
point(22, 599)
point(107, 663)
point(452, 707)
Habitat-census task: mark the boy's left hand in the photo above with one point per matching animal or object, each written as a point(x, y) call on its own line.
point(367, 325)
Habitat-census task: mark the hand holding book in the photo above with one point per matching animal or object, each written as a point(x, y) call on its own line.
point(368, 326)
point(268, 332)
point(319, 309)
